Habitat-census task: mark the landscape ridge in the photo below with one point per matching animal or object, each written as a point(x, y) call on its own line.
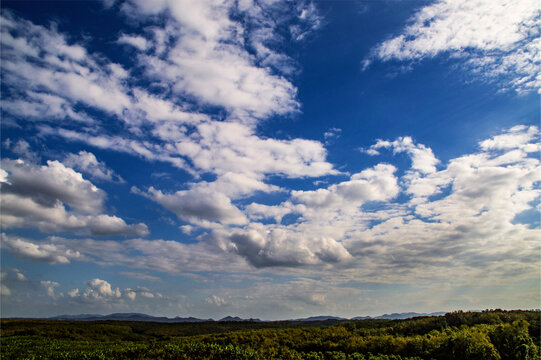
point(178, 319)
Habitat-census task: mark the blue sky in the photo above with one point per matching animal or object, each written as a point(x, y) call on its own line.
point(272, 159)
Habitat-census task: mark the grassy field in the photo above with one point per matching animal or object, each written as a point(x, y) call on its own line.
point(485, 335)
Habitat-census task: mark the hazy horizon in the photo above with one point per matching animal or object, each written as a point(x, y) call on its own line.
point(269, 159)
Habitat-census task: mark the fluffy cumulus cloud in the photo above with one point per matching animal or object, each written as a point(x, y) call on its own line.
point(52, 182)
point(54, 197)
point(498, 39)
point(101, 291)
point(263, 247)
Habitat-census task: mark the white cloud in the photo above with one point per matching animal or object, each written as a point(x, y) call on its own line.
point(22, 149)
point(41, 252)
point(48, 183)
point(87, 162)
point(309, 20)
point(223, 147)
point(332, 133)
point(360, 227)
point(140, 276)
point(157, 255)
point(279, 247)
point(4, 177)
point(206, 203)
point(65, 72)
point(50, 288)
point(136, 41)
point(38, 106)
point(215, 300)
point(260, 211)
point(375, 184)
point(199, 206)
point(102, 288)
point(20, 276)
point(4, 290)
point(422, 157)
point(517, 137)
point(165, 128)
point(37, 196)
point(130, 294)
point(101, 291)
point(500, 39)
point(208, 59)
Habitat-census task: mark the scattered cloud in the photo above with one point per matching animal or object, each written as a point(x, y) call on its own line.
point(203, 62)
point(360, 225)
point(499, 40)
point(332, 134)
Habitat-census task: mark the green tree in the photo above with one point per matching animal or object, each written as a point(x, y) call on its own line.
point(514, 342)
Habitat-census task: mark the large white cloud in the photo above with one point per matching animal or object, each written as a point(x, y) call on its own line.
point(209, 59)
point(280, 247)
point(48, 183)
point(500, 39)
point(37, 196)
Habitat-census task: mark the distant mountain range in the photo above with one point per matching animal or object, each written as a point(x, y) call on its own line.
point(320, 318)
point(127, 317)
point(400, 315)
point(145, 317)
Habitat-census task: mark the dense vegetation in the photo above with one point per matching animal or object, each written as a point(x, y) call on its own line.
point(494, 334)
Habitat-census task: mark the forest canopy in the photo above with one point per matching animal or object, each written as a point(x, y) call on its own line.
point(494, 334)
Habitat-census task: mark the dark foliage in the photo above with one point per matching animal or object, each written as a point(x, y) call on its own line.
point(459, 335)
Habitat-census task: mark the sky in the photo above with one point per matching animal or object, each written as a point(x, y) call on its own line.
point(270, 159)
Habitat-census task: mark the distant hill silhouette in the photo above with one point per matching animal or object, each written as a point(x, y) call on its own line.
point(320, 318)
point(145, 317)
